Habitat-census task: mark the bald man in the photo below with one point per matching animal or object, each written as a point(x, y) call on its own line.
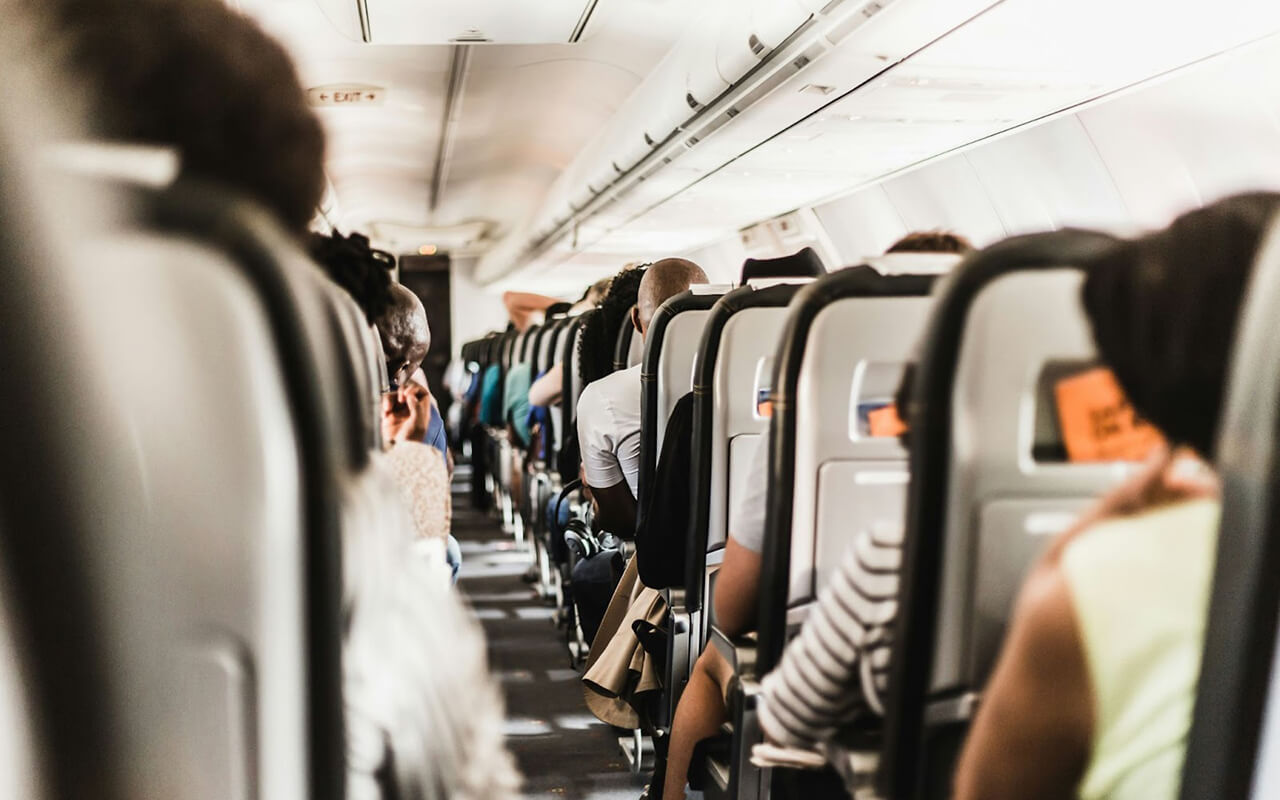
point(409, 412)
point(609, 409)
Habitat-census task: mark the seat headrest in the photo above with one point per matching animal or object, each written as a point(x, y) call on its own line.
point(804, 264)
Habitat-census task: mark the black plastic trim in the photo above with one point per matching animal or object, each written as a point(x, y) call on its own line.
point(622, 345)
point(929, 413)
point(1240, 633)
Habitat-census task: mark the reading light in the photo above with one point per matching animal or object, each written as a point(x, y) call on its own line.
point(427, 250)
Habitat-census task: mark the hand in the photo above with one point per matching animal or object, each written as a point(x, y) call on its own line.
point(406, 413)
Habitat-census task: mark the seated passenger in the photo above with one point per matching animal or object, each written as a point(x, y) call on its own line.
point(1093, 691)
point(702, 707)
point(205, 80)
point(609, 408)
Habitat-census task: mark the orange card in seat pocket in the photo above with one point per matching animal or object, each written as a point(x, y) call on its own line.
point(1098, 422)
point(884, 422)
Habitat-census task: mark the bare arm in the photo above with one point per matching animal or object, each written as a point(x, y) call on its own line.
point(615, 509)
point(737, 589)
point(522, 306)
point(546, 390)
point(1033, 730)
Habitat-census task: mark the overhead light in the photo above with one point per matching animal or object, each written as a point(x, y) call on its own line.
point(427, 250)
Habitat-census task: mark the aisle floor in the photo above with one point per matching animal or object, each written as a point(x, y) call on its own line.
point(563, 751)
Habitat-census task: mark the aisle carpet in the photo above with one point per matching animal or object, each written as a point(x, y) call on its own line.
point(563, 751)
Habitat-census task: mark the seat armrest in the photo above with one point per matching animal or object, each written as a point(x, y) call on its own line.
point(740, 652)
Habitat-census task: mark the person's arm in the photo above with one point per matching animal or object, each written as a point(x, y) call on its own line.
point(522, 306)
point(737, 589)
point(1032, 734)
point(606, 483)
point(615, 509)
point(546, 390)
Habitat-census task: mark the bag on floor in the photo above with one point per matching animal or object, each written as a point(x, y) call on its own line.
point(594, 579)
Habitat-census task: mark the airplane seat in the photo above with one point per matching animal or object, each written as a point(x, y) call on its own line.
point(990, 484)
point(626, 345)
point(731, 369)
point(666, 373)
point(1233, 747)
point(803, 264)
point(183, 488)
point(66, 674)
point(364, 351)
point(832, 332)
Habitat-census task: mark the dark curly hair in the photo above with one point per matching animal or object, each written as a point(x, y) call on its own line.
point(1163, 309)
point(351, 263)
point(600, 326)
point(197, 76)
point(931, 242)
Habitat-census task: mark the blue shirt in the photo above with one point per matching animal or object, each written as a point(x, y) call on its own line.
point(435, 433)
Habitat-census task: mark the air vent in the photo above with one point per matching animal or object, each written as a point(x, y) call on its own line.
point(755, 44)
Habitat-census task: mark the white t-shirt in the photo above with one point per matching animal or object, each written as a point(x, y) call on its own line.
point(746, 520)
point(609, 430)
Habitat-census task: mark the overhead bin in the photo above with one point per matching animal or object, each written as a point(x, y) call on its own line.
point(774, 20)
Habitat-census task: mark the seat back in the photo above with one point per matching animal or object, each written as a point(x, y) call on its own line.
point(626, 344)
point(1233, 749)
point(199, 638)
point(733, 366)
point(982, 502)
point(667, 371)
point(848, 336)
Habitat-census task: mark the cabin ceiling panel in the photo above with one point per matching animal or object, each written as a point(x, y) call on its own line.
point(525, 110)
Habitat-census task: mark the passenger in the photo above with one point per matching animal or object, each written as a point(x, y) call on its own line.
point(525, 309)
point(600, 327)
point(702, 707)
point(196, 76)
point(1093, 692)
point(353, 264)
point(407, 414)
point(930, 242)
point(609, 409)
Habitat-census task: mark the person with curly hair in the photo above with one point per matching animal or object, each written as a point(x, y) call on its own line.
point(609, 408)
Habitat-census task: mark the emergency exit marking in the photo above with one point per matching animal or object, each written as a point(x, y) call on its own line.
point(346, 95)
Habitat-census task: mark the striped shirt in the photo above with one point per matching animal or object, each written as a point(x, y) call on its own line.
point(839, 663)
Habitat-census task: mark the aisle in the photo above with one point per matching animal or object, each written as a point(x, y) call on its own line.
point(563, 751)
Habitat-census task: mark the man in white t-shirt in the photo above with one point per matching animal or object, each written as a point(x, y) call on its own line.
point(609, 409)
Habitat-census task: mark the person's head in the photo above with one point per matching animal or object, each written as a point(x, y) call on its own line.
point(600, 326)
point(405, 334)
point(199, 77)
point(365, 273)
point(593, 296)
point(931, 242)
point(663, 280)
point(1163, 310)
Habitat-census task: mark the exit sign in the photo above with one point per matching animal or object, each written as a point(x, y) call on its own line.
point(346, 95)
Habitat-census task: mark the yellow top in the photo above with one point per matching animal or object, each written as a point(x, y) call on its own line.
point(1140, 590)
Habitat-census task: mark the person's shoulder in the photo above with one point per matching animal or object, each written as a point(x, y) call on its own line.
point(1119, 540)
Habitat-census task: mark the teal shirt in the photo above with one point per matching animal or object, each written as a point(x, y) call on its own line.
point(515, 400)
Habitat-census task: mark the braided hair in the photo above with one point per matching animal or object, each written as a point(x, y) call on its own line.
point(350, 262)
